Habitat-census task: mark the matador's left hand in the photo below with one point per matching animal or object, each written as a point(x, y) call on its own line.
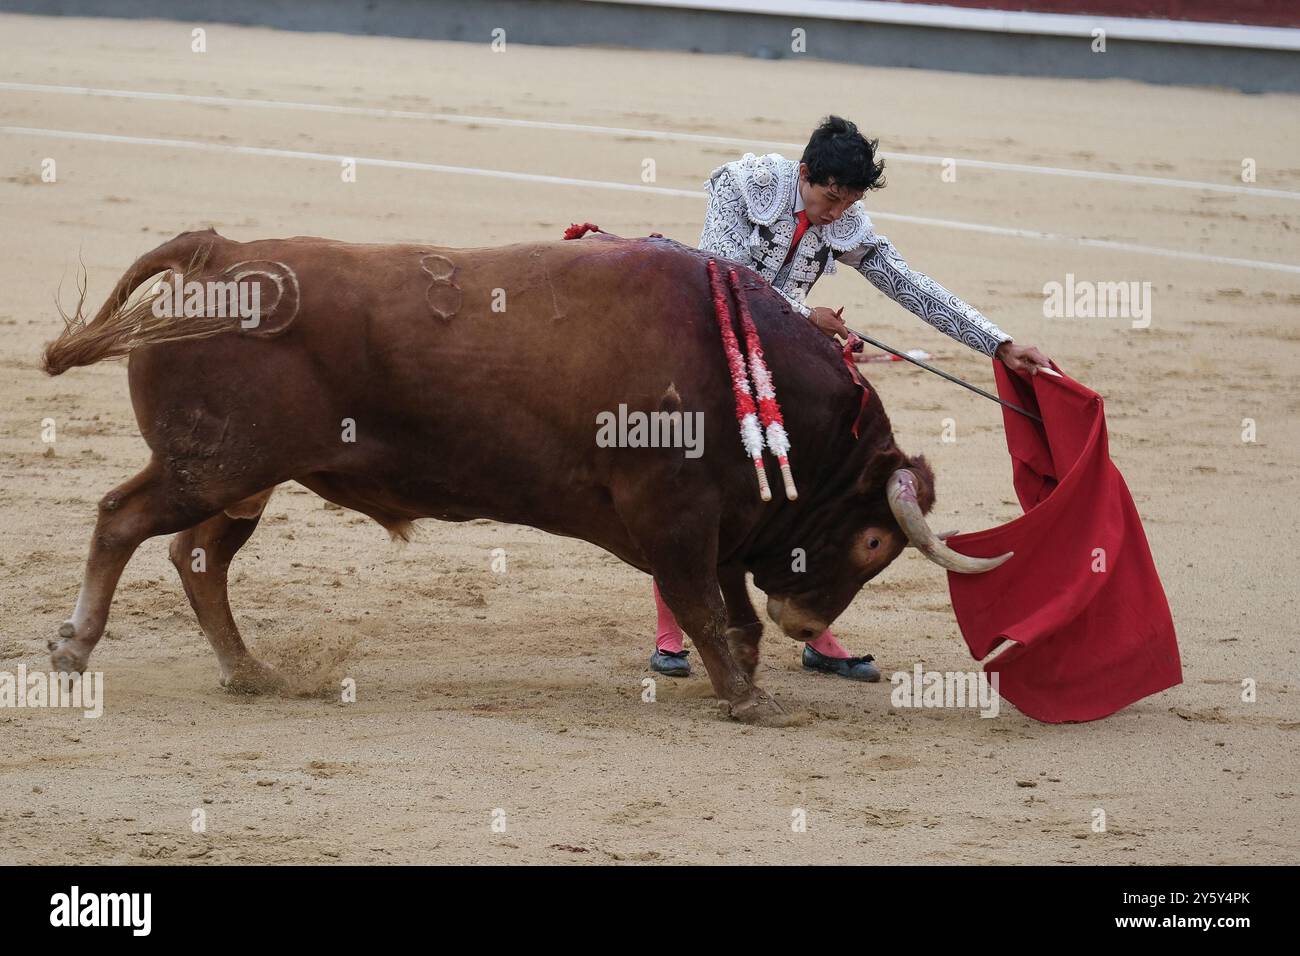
point(1022, 358)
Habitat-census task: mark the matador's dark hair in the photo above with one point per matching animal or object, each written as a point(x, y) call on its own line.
point(838, 153)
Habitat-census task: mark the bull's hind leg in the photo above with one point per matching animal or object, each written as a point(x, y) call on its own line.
point(202, 555)
point(130, 513)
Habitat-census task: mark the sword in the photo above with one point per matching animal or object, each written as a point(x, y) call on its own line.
point(952, 378)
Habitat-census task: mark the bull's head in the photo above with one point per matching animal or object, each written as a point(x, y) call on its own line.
point(849, 539)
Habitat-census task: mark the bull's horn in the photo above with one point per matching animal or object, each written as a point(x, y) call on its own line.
point(902, 502)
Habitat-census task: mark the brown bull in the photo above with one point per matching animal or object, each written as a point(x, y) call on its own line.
point(410, 382)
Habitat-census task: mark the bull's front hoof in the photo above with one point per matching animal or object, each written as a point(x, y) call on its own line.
point(251, 676)
point(758, 707)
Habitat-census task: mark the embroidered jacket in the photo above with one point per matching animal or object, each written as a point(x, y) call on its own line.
point(751, 219)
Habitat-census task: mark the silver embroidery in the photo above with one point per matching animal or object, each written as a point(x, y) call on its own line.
point(850, 230)
point(888, 271)
point(768, 184)
point(751, 219)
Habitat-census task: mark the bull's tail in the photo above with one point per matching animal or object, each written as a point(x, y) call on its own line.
point(125, 323)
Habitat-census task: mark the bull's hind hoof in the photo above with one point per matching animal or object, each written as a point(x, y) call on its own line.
point(67, 659)
point(66, 655)
point(252, 677)
point(758, 707)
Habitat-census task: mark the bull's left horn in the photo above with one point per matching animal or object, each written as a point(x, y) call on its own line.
point(902, 502)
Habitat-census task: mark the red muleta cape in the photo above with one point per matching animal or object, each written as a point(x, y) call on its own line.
point(1088, 641)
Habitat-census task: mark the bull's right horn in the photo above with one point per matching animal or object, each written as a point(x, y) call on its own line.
point(901, 491)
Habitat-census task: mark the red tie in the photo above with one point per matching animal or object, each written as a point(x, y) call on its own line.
point(800, 228)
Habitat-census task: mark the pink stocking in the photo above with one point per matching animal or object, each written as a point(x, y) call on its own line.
point(668, 636)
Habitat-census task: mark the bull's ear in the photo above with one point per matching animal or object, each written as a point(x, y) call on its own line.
point(877, 469)
point(875, 476)
point(919, 467)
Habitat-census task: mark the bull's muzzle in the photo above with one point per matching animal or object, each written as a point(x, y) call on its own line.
point(797, 623)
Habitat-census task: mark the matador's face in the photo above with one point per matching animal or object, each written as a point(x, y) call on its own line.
point(825, 202)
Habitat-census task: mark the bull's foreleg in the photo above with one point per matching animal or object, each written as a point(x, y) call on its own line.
point(682, 553)
point(695, 600)
point(202, 556)
point(744, 629)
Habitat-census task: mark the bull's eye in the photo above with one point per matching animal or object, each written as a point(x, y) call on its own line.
point(873, 543)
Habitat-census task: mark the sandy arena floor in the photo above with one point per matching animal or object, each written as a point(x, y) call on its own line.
point(522, 691)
